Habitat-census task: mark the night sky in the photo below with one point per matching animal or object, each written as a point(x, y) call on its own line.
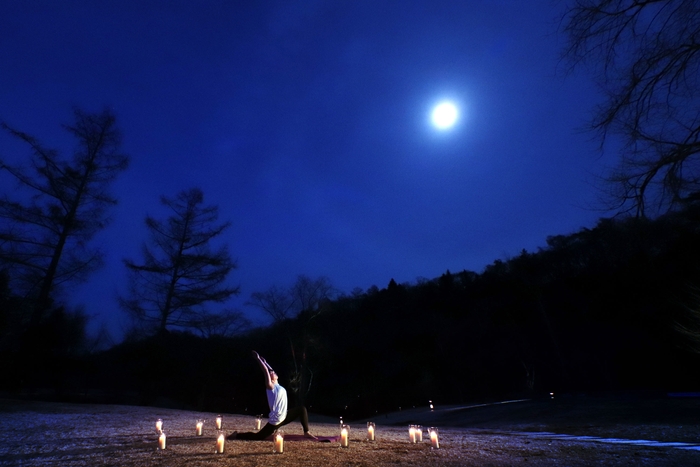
point(308, 124)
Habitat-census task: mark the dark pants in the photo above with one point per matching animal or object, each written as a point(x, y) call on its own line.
point(293, 414)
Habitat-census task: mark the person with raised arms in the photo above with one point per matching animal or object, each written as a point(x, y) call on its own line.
point(277, 401)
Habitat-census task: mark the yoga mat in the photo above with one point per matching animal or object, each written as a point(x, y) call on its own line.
point(321, 439)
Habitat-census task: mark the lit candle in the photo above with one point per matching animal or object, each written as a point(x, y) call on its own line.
point(218, 422)
point(161, 441)
point(412, 433)
point(220, 443)
point(370, 431)
point(159, 425)
point(344, 436)
point(200, 424)
point(279, 443)
point(434, 441)
point(419, 433)
point(258, 422)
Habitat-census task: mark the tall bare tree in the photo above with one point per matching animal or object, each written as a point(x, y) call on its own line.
point(305, 295)
point(310, 294)
point(304, 300)
point(45, 234)
point(180, 272)
point(274, 301)
point(646, 56)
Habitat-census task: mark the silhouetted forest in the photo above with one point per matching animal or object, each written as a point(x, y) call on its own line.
point(608, 308)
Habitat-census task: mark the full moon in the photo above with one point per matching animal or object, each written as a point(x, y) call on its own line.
point(444, 115)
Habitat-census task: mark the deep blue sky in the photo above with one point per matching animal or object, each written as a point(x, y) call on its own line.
point(307, 123)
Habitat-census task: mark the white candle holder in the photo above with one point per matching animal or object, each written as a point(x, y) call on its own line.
point(220, 442)
point(258, 422)
point(434, 439)
point(412, 434)
point(161, 441)
point(419, 433)
point(199, 427)
point(219, 422)
point(345, 436)
point(278, 438)
point(371, 428)
point(159, 425)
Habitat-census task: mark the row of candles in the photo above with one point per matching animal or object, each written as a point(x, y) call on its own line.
point(415, 434)
point(199, 430)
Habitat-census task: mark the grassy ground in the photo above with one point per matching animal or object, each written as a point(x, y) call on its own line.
point(516, 433)
point(658, 417)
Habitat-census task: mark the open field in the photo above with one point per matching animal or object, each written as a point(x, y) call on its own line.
point(567, 431)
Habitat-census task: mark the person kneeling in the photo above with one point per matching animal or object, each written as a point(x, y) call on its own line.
point(277, 401)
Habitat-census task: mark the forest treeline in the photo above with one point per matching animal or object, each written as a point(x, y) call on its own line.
point(614, 307)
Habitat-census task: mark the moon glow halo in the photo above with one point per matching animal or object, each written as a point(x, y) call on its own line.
point(444, 115)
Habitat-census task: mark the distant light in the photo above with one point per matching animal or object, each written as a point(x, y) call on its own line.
point(444, 115)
